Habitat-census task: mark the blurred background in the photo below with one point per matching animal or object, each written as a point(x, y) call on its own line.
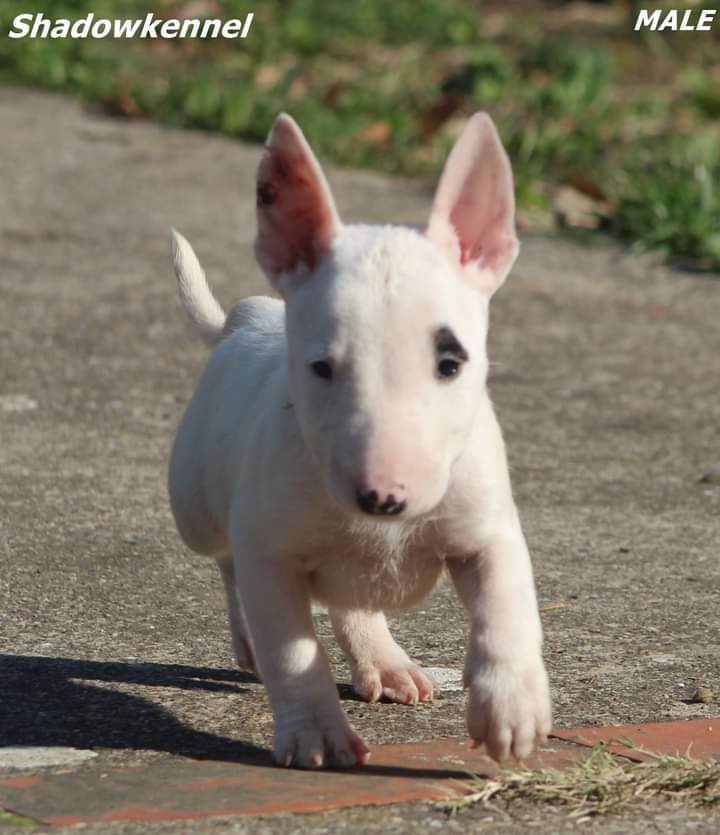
point(612, 132)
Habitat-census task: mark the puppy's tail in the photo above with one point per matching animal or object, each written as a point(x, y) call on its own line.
point(195, 294)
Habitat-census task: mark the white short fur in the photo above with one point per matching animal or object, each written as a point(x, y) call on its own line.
point(274, 453)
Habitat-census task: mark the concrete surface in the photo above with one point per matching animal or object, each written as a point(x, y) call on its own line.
point(113, 636)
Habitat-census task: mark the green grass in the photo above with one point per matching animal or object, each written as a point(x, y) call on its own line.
point(386, 85)
point(14, 819)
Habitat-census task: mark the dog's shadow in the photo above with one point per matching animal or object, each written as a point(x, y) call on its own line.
point(53, 701)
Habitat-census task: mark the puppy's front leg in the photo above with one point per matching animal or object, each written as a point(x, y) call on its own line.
point(311, 729)
point(509, 705)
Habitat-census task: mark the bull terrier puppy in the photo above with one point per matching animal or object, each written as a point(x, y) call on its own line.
point(341, 446)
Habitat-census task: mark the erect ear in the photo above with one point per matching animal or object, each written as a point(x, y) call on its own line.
point(473, 213)
point(296, 214)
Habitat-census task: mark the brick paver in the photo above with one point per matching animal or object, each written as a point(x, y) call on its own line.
point(697, 737)
point(186, 789)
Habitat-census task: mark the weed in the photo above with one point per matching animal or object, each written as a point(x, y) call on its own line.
point(600, 784)
point(15, 819)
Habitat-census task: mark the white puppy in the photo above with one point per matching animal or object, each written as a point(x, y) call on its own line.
point(341, 445)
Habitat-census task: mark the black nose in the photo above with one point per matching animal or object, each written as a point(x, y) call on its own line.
point(370, 502)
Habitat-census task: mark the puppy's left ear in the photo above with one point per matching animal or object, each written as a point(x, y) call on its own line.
point(473, 214)
point(296, 215)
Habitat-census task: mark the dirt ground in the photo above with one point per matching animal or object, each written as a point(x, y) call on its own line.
point(606, 377)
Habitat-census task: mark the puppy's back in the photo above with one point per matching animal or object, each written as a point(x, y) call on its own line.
point(238, 392)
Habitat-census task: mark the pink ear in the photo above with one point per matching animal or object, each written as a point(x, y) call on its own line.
point(473, 214)
point(296, 215)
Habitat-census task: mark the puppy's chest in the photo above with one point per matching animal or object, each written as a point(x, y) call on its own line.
point(376, 567)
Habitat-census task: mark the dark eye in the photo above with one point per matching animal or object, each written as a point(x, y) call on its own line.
point(323, 369)
point(448, 367)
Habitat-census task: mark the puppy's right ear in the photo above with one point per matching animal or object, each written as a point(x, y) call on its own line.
point(296, 214)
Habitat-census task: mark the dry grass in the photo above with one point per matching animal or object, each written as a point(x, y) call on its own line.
point(601, 784)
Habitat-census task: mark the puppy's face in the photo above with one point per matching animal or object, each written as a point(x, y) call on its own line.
point(386, 326)
point(386, 347)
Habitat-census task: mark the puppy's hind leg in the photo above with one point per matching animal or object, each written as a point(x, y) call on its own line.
point(242, 645)
point(379, 666)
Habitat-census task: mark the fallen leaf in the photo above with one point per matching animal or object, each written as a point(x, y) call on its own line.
point(267, 76)
point(550, 607)
point(376, 133)
point(434, 118)
point(572, 208)
point(125, 104)
point(703, 695)
point(583, 184)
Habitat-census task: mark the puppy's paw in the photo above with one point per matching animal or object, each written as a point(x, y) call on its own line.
point(398, 679)
point(318, 742)
point(509, 708)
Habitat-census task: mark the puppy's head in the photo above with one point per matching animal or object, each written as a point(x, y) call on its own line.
point(386, 326)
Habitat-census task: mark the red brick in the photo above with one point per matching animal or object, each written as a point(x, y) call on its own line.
point(698, 737)
point(183, 789)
